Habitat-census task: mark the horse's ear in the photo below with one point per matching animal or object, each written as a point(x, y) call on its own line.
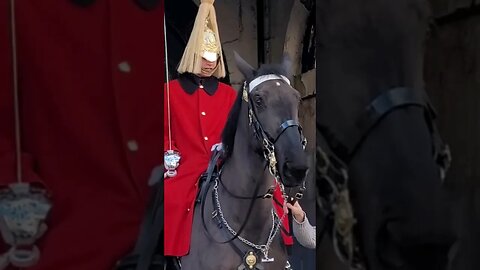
point(287, 64)
point(247, 70)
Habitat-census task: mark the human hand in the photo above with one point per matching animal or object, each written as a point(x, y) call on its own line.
point(297, 211)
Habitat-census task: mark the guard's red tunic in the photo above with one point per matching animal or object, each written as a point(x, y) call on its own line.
point(197, 123)
point(91, 81)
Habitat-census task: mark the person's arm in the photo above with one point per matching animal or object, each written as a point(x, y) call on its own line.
point(304, 232)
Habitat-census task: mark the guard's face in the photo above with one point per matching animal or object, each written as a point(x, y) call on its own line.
point(208, 68)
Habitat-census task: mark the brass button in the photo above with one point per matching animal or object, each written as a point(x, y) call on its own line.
point(132, 145)
point(124, 67)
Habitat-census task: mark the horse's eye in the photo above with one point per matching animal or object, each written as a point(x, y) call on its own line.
point(258, 100)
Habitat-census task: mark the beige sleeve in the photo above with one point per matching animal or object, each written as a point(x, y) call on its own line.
point(305, 233)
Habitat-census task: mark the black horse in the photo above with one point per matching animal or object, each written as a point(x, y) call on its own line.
point(380, 139)
point(236, 225)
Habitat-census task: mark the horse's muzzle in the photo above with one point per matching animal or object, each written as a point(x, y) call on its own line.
point(294, 174)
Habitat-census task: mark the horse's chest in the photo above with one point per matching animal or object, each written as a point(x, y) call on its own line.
point(237, 264)
point(222, 257)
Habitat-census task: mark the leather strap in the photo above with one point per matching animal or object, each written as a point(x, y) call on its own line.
point(212, 165)
point(379, 108)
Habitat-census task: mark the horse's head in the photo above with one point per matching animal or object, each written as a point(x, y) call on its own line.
point(375, 116)
point(273, 117)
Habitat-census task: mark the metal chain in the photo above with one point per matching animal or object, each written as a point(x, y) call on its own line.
point(270, 157)
point(270, 239)
point(273, 232)
point(335, 200)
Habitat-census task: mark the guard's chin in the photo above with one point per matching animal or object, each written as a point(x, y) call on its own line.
point(206, 73)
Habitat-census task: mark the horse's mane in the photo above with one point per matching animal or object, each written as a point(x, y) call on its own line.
point(228, 134)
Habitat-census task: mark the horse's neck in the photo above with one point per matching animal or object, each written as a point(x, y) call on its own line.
point(245, 164)
point(347, 89)
point(364, 51)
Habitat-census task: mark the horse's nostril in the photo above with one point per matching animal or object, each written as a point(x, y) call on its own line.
point(296, 171)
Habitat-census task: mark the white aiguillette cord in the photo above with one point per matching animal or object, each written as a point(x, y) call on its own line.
point(168, 86)
point(170, 150)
